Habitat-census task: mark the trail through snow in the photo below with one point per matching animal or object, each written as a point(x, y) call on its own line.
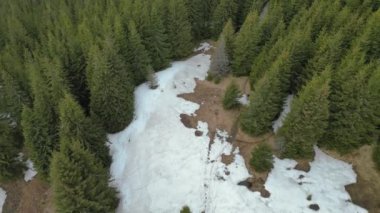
point(159, 165)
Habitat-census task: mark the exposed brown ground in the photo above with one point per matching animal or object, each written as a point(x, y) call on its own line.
point(31, 197)
point(366, 192)
point(209, 96)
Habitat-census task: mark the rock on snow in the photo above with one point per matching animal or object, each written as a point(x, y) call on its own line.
point(159, 165)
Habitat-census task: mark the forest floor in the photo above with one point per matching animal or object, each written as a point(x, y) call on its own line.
point(27, 197)
point(209, 96)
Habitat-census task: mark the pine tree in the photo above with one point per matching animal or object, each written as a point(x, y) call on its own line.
point(307, 121)
point(268, 53)
point(157, 42)
point(179, 29)
point(230, 99)
point(40, 123)
point(79, 181)
point(226, 9)
point(349, 122)
point(10, 166)
point(228, 34)
point(152, 79)
point(301, 51)
point(74, 125)
point(267, 98)
point(262, 158)
point(111, 88)
point(138, 58)
point(370, 43)
point(200, 13)
point(220, 63)
point(246, 45)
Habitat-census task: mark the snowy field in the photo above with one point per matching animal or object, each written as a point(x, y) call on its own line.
point(160, 166)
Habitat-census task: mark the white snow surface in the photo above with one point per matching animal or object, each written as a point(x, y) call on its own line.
point(204, 47)
point(3, 196)
point(30, 172)
point(277, 124)
point(160, 166)
point(244, 100)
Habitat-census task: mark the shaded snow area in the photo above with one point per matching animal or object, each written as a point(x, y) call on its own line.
point(3, 195)
point(243, 100)
point(160, 166)
point(30, 172)
point(277, 124)
point(204, 47)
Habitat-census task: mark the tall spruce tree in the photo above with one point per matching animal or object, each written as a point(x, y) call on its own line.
point(79, 181)
point(74, 125)
point(307, 121)
point(10, 166)
point(226, 9)
point(246, 45)
point(267, 97)
point(179, 29)
point(40, 123)
point(220, 63)
point(349, 122)
point(228, 33)
point(138, 58)
point(111, 88)
point(157, 42)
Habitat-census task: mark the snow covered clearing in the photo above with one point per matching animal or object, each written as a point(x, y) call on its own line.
point(159, 165)
point(277, 124)
point(30, 172)
point(3, 195)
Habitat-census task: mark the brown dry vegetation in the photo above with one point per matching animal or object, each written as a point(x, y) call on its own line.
point(209, 96)
point(28, 197)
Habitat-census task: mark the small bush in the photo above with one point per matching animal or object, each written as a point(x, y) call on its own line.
point(209, 77)
point(231, 96)
point(262, 159)
point(217, 79)
point(376, 156)
point(185, 209)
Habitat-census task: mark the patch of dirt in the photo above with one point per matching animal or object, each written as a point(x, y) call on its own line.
point(188, 121)
point(227, 159)
point(303, 165)
point(209, 96)
point(366, 192)
point(258, 185)
point(28, 197)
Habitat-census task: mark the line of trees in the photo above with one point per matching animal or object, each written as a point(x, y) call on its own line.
point(67, 75)
point(326, 53)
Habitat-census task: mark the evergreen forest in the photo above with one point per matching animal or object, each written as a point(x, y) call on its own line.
point(68, 70)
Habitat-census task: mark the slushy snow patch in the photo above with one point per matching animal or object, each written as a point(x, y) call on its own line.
point(159, 165)
point(204, 47)
point(30, 172)
point(277, 124)
point(3, 196)
point(244, 100)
